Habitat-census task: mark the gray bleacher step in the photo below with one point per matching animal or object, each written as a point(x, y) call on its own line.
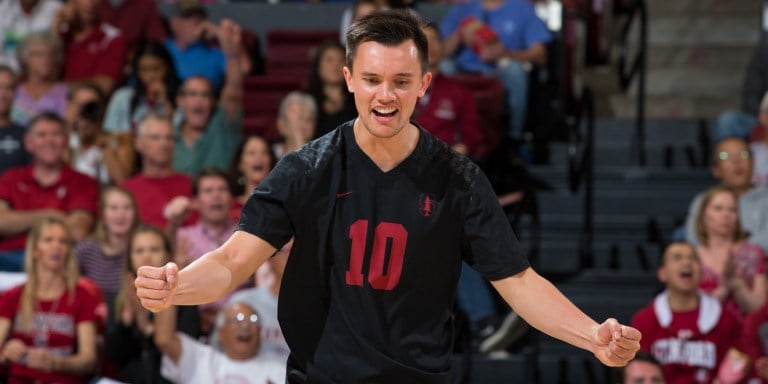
point(517, 367)
point(612, 177)
point(661, 131)
point(564, 258)
point(619, 203)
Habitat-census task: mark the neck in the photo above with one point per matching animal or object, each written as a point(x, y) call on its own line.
point(157, 170)
point(34, 82)
point(387, 153)
point(716, 242)
point(49, 283)
point(117, 243)
point(47, 173)
point(742, 189)
point(215, 226)
point(683, 301)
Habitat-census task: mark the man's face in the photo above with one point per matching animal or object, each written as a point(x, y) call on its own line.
point(680, 269)
point(196, 101)
point(239, 335)
point(386, 82)
point(214, 199)
point(298, 122)
point(7, 92)
point(186, 29)
point(733, 164)
point(46, 141)
point(643, 372)
point(155, 142)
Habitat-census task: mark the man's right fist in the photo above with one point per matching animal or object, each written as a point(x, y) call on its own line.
point(155, 286)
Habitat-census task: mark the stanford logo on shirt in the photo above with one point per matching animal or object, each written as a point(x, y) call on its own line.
point(427, 204)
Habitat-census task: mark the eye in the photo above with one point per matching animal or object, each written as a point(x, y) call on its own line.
point(402, 83)
point(370, 80)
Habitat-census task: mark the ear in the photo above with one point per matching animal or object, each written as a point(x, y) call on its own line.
point(426, 79)
point(661, 274)
point(348, 78)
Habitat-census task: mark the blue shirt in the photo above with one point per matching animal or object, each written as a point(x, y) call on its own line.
point(515, 22)
point(198, 59)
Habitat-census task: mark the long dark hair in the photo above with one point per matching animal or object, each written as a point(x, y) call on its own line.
point(238, 187)
point(315, 87)
point(171, 79)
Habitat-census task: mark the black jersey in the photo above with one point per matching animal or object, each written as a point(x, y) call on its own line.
point(369, 287)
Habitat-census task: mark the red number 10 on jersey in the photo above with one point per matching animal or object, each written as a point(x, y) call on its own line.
point(378, 276)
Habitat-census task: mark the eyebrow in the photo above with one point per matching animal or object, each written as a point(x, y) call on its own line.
point(401, 74)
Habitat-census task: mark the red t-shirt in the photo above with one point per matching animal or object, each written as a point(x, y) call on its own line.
point(73, 191)
point(152, 194)
point(689, 345)
point(102, 52)
point(754, 337)
point(448, 112)
point(136, 20)
point(56, 324)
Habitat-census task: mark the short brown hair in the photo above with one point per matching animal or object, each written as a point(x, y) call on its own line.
point(390, 28)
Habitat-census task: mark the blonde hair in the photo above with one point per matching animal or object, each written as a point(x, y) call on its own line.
point(701, 230)
point(100, 234)
point(71, 274)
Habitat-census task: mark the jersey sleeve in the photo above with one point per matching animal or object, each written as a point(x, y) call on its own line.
point(489, 244)
point(265, 214)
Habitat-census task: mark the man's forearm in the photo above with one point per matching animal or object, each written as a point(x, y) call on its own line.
point(15, 222)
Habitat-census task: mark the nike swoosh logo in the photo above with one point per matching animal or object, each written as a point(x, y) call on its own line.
point(342, 194)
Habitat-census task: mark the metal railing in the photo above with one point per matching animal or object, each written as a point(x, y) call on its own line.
point(637, 68)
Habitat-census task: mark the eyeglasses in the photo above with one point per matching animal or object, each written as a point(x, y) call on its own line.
point(243, 318)
point(724, 155)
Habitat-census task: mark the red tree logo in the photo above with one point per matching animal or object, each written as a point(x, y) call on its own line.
point(426, 204)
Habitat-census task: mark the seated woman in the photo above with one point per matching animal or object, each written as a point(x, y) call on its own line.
point(252, 162)
point(130, 332)
point(48, 324)
point(732, 268)
point(41, 57)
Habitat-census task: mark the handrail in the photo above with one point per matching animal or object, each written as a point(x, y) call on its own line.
point(637, 68)
point(583, 169)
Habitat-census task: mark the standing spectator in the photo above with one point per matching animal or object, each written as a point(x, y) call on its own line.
point(732, 166)
point(48, 324)
point(19, 18)
point(154, 89)
point(447, 110)
point(40, 57)
point(759, 145)
point(130, 333)
point(102, 256)
point(187, 361)
point(107, 157)
point(46, 188)
point(12, 151)
point(161, 193)
point(252, 162)
point(733, 269)
point(190, 49)
point(296, 122)
point(687, 331)
point(497, 38)
point(209, 131)
point(138, 21)
point(335, 104)
point(754, 342)
point(93, 50)
point(738, 123)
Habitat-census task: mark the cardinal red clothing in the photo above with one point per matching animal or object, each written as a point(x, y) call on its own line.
point(689, 345)
point(73, 191)
point(137, 20)
point(102, 52)
point(754, 337)
point(56, 324)
point(153, 193)
point(448, 112)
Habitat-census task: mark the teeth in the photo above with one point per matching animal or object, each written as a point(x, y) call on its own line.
point(385, 110)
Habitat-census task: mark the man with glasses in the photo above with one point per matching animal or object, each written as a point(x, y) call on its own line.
point(234, 360)
point(733, 165)
point(207, 132)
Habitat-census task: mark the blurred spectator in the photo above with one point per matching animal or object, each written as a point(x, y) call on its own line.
point(48, 324)
point(497, 38)
point(252, 162)
point(185, 360)
point(759, 145)
point(296, 120)
point(19, 18)
point(643, 369)
point(12, 151)
point(754, 342)
point(447, 109)
point(732, 166)
point(129, 336)
point(94, 50)
point(335, 104)
point(102, 257)
point(687, 331)
point(738, 123)
point(138, 21)
point(161, 193)
point(46, 188)
point(263, 299)
point(107, 157)
point(208, 132)
point(154, 89)
point(359, 9)
point(40, 57)
point(191, 51)
point(732, 269)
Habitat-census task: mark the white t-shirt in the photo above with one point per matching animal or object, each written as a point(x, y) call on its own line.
point(89, 161)
point(273, 345)
point(15, 25)
point(200, 363)
point(760, 163)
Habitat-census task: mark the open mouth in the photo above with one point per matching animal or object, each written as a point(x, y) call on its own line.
point(385, 112)
point(687, 275)
point(244, 338)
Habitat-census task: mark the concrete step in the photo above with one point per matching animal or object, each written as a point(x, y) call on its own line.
point(732, 8)
point(657, 155)
point(733, 58)
point(675, 106)
point(695, 30)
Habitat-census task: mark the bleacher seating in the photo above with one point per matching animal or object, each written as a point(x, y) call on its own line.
point(290, 51)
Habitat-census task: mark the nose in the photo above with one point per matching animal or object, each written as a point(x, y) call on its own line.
point(386, 92)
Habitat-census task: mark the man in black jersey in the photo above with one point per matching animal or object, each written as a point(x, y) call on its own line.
point(383, 214)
